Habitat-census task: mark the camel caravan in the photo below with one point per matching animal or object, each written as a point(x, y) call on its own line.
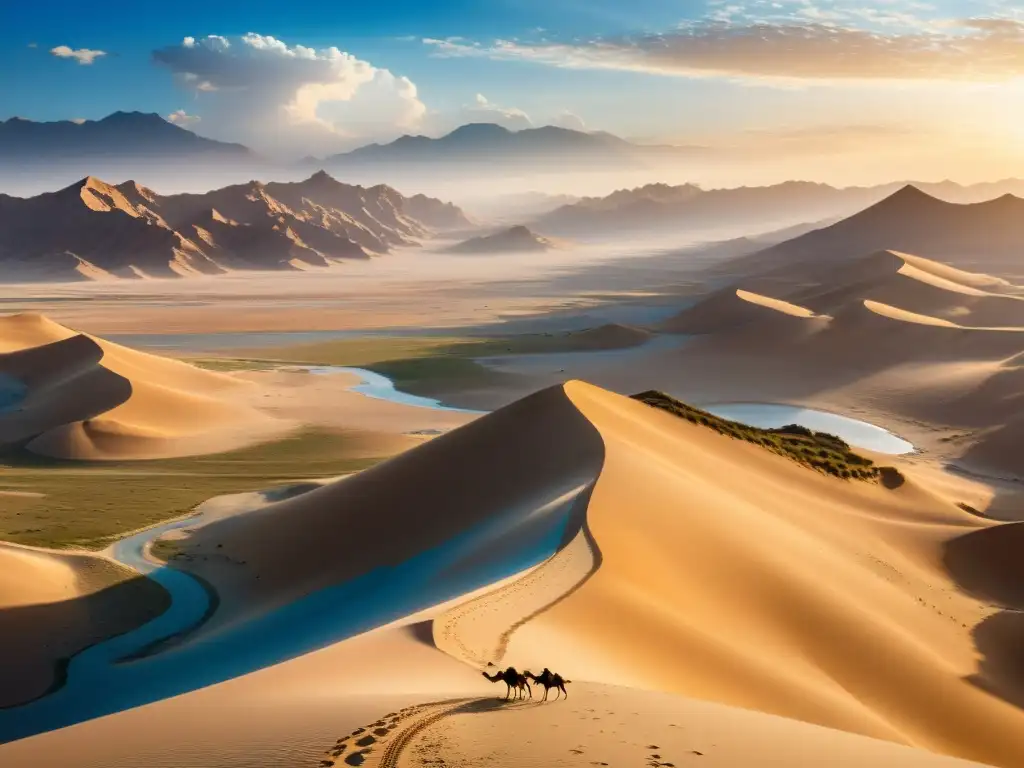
point(519, 682)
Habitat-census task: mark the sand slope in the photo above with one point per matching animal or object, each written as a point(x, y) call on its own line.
point(894, 334)
point(78, 397)
point(696, 565)
point(54, 605)
point(714, 588)
point(732, 309)
point(510, 462)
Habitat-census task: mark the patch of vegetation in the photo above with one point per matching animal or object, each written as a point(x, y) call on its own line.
point(816, 450)
point(88, 504)
point(230, 364)
point(422, 365)
point(432, 375)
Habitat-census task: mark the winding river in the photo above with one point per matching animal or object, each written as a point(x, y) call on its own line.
point(116, 674)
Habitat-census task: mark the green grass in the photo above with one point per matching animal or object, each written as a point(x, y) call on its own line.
point(815, 450)
point(89, 504)
point(421, 365)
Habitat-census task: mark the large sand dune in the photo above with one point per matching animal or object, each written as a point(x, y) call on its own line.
point(74, 396)
point(693, 564)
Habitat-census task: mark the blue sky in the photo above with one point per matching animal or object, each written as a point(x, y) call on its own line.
point(679, 71)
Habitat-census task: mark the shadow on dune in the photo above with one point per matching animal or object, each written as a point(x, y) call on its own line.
point(987, 564)
point(44, 637)
point(65, 384)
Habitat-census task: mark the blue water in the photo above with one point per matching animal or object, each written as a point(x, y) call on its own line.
point(859, 434)
point(98, 686)
point(382, 388)
point(12, 392)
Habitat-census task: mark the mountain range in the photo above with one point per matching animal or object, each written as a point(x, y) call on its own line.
point(517, 239)
point(121, 134)
point(95, 230)
point(664, 208)
point(985, 236)
point(494, 145)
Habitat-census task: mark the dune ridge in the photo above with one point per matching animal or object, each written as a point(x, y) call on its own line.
point(848, 605)
point(85, 398)
point(686, 581)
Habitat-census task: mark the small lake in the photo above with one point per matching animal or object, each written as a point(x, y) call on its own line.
point(859, 434)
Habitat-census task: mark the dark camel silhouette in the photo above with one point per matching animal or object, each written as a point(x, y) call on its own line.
point(513, 680)
point(549, 680)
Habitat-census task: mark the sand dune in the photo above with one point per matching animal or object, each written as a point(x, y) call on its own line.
point(921, 286)
point(509, 462)
point(53, 605)
point(881, 647)
point(911, 340)
point(78, 397)
point(694, 565)
point(678, 578)
point(731, 309)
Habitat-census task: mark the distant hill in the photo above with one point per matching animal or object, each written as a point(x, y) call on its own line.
point(518, 239)
point(495, 146)
point(660, 207)
point(95, 230)
point(986, 236)
point(121, 134)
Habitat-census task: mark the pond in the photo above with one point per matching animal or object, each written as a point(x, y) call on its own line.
point(859, 434)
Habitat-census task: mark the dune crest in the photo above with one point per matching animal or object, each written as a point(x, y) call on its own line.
point(671, 575)
point(74, 396)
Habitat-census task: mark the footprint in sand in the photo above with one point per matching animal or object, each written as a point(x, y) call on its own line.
point(356, 758)
point(366, 741)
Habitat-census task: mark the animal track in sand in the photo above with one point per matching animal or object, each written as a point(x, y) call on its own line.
point(417, 719)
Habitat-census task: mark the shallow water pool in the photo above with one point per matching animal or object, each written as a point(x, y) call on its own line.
point(859, 434)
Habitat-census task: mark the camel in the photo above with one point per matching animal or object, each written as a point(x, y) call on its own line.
point(513, 681)
point(549, 680)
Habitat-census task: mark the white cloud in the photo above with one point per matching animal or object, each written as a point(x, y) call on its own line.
point(182, 119)
point(570, 120)
point(78, 120)
point(791, 40)
point(83, 56)
point(291, 99)
point(482, 110)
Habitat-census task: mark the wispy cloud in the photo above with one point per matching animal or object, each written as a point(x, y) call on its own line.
point(787, 40)
point(83, 56)
point(182, 118)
